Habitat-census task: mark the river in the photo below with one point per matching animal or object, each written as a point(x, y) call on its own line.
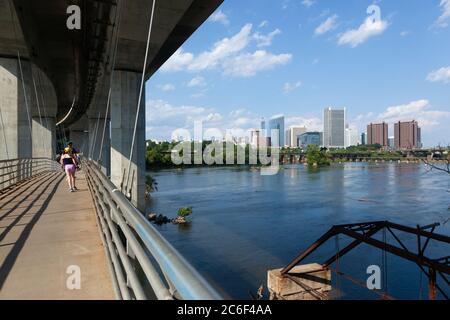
point(244, 224)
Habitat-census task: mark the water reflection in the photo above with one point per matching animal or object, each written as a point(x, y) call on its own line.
point(244, 224)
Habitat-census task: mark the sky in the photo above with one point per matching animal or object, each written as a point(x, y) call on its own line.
point(385, 60)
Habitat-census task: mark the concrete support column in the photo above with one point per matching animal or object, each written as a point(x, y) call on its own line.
point(124, 99)
point(15, 131)
point(95, 143)
point(80, 139)
point(44, 137)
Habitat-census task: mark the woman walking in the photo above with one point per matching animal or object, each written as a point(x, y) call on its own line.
point(69, 164)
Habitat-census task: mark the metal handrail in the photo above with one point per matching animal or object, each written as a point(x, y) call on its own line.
point(14, 171)
point(130, 239)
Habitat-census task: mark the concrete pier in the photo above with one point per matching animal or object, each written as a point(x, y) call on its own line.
point(305, 282)
point(124, 101)
point(15, 116)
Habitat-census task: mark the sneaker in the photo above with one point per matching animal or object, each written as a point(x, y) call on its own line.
point(71, 190)
point(75, 188)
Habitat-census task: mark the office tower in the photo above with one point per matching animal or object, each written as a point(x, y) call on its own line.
point(407, 135)
point(334, 128)
point(363, 138)
point(287, 138)
point(351, 137)
point(257, 139)
point(263, 127)
point(377, 133)
point(419, 138)
point(276, 123)
point(391, 143)
point(291, 136)
point(309, 138)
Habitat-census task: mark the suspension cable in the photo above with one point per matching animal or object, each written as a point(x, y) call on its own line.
point(3, 130)
point(113, 63)
point(39, 112)
point(94, 138)
point(140, 92)
point(39, 80)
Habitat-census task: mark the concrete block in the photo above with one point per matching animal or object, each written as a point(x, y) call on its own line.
point(311, 275)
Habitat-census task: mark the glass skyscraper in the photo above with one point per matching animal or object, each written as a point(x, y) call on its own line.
point(277, 123)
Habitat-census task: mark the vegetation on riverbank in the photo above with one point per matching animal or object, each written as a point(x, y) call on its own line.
point(158, 155)
point(317, 157)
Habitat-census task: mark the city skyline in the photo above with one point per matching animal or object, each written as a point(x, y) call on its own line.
point(247, 62)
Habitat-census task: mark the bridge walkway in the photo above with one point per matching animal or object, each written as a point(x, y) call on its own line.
point(44, 229)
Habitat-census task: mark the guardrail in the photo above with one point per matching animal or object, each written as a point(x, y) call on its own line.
point(13, 171)
point(140, 257)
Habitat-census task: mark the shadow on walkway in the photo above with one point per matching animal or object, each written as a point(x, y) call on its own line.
point(43, 189)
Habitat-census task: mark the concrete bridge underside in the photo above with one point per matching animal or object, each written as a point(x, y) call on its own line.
point(50, 74)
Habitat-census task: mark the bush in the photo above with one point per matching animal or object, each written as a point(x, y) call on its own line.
point(184, 212)
point(316, 156)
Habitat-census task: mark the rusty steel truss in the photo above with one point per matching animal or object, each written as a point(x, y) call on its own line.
point(365, 232)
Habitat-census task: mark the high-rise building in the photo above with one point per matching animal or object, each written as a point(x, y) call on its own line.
point(407, 135)
point(391, 142)
point(351, 137)
point(363, 138)
point(275, 123)
point(377, 133)
point(334, 128)
point(291, 136)
point(263, 127)
point(310, 138)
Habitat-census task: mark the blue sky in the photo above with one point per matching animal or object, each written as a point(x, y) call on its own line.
point(260, 58)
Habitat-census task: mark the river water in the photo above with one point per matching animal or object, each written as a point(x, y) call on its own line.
point(244, 224)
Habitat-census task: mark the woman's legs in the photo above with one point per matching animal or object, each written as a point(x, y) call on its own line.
point(69, 178)
point(72, 178)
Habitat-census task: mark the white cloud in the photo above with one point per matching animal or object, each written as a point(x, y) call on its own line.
point(443, 20)
point(163, 119)
point(197, 82)
point(311, 124)
point(229, 54)
point(308, 3)
point(328, 25)
point(368, 29)
point(419, 110)
point(220, 17)
point(166, 87)
point(289, 87)
point(263, 24)
point(178, 61)
point(249, 64)
point(405, 33)
point(441, 75)
point(222, 49)
point(266, 40)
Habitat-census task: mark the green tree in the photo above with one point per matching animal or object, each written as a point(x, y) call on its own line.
point(316, 156)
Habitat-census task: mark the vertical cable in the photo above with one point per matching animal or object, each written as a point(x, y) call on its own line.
point(118, 15)
point(140, 92)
